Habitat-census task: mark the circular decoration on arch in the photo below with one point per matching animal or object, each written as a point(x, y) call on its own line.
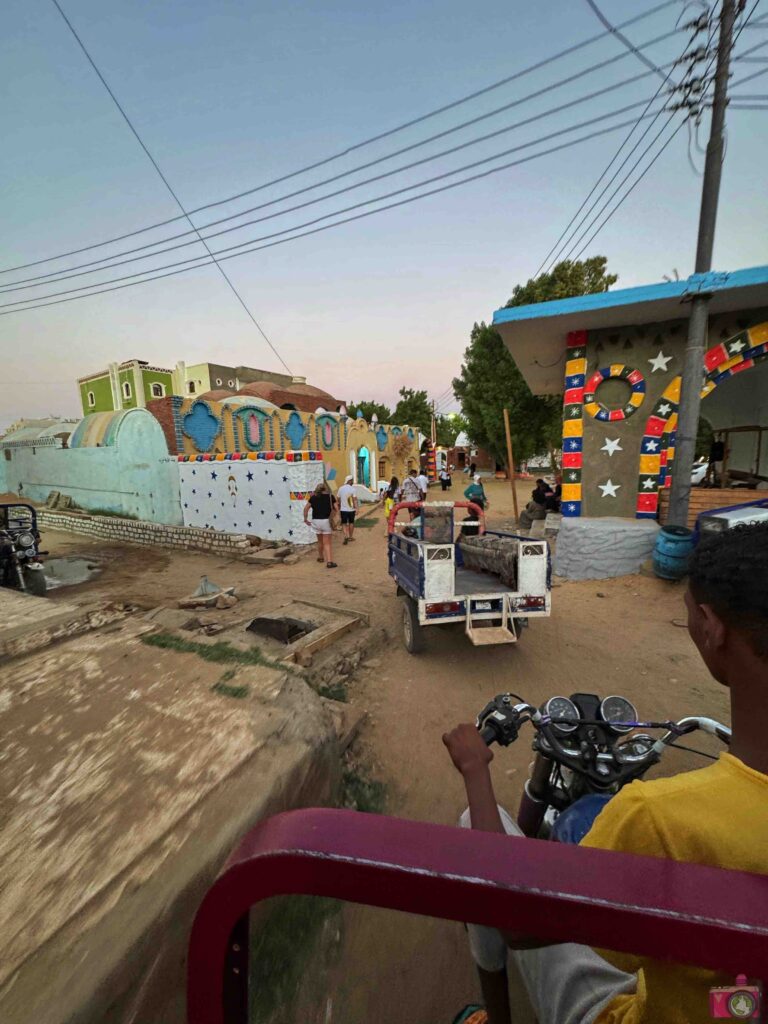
point(617, 371)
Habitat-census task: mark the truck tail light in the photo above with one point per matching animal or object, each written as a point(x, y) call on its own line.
point(534, 602)
point(443, 607)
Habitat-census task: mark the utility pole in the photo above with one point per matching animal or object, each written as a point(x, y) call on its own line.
point(690, 395)
point(511, 463)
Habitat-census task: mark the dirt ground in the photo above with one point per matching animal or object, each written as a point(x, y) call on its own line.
point(613, 636)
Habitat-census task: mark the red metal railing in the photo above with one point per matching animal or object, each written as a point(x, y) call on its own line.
point(643, 905)
point(420, 504)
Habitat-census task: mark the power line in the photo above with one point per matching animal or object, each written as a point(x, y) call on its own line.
point(78, 270)
point(354, 206)
point(629, 191)
point(318, 230)
point(555, 253)
point(623, 39)
point(350, 149)
point(165, 181)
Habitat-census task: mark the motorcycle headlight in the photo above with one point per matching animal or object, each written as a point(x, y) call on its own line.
point(25, 540)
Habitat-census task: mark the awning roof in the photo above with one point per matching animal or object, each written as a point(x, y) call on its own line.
point(536, 334)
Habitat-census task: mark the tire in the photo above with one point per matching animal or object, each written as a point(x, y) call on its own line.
point(35, 582)
point(413, 631)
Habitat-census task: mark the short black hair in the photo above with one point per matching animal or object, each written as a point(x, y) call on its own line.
point(730, 572)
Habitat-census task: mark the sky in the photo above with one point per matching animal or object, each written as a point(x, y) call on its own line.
point(230, 95)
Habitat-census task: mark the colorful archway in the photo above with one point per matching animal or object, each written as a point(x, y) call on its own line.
point(657, 450)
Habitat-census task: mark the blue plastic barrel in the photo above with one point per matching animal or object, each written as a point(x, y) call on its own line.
point(672, 551)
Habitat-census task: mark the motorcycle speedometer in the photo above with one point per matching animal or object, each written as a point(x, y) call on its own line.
point(25, 540)
point(618, 713)
point(562, 708)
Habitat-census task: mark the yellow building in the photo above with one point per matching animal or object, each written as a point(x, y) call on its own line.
point(246, 424)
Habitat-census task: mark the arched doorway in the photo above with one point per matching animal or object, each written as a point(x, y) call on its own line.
point(364, 466)
point(723, 361)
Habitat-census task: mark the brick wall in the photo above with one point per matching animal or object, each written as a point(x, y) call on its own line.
point(704, 499)
point(162, 410)
point(132, 531)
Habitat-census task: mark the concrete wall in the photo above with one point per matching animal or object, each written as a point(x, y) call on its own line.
point(636, 347)
point(133, 476)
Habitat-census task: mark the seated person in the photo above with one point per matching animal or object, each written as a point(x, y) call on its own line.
point(714, 816)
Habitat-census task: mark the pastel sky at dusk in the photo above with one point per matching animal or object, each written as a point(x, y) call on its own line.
point(231, 94)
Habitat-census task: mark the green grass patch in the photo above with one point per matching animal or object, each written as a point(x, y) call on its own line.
point(238, 692)
point(283, 947)
point(220, 652)
point(110, 514)
point(337, 691)
point(360, 792)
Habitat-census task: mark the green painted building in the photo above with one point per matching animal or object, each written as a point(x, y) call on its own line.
point(128, 385)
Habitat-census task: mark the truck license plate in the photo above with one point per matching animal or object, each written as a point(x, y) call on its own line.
point(483, 606)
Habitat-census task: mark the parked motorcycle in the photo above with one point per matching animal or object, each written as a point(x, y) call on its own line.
point(21, 567)
point(586, 749)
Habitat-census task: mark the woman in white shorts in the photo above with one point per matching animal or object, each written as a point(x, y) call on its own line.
point(321, 505)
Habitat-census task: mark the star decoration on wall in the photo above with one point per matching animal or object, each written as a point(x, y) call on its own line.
point(575, 353)
point(609, 488)
point(612, 446)
point(649, 483)
point(736, 347)
point(213, 475)
point(572, 476)
point(665, 409)
point(249, 475)
point(250, 501)
point(660, 362)
point(573, 445)
point(571, 508)
point(651, 446)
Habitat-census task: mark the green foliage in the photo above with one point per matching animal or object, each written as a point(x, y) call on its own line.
point(368, 409)
point(571, 277)
point(219, 652)
point(449, 428)
point(490, 380)
point(414, 409)
point(362, 793)
point(110, 514)
point(335, 691)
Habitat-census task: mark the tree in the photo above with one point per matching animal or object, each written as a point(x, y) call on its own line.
point(415, 409)
point(368, 409)
point(449, 427)
point(490, 380)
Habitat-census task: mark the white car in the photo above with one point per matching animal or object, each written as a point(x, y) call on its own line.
point(698, 473)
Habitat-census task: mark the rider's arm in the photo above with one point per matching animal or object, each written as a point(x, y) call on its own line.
point(471, 757)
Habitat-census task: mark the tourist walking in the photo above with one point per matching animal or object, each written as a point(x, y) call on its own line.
point(445, 478)
point(348, 504)
point(476, 493)
point(423, 481)
point(411, 491)
point(321, 504)
point(391, 497)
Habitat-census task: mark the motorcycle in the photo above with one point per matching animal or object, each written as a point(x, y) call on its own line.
point(586, 750)
point(21, 567)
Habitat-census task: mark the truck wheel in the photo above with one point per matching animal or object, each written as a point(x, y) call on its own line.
point(35, 582)
point(413, 631)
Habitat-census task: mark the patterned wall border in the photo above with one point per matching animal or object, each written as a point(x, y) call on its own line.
point(617, 371)
point(298, 456)
point(657, 451)
point(573, 421)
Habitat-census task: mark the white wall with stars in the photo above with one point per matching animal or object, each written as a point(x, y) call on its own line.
point(265, 498)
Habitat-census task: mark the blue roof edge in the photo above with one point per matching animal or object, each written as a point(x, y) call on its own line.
point(695, 284)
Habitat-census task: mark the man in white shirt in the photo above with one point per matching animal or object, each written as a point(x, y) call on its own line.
point(411, 491)
point(423, 481)
point(348, 505)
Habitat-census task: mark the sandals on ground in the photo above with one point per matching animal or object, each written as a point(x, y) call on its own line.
point(331, 565)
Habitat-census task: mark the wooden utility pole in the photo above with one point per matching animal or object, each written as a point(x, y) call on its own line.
point(510, 463)
point(690, 395)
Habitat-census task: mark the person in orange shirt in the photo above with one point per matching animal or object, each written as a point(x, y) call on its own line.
point(714, 816)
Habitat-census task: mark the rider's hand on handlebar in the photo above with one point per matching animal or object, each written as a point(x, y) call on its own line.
point(467, 748)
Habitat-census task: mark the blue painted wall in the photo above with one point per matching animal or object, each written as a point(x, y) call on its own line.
point(133, 475)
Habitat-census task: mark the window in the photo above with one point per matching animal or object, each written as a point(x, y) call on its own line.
point(218, 382)
point(230, 383)
point(127, 392)
point(91, 400)
point(158, 390)
point(191, 387)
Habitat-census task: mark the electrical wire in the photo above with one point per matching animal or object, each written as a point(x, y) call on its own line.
point(69, 272)
point(326, 216)
point(623, 39)
point(629, 191)
point(366, 142)
point(165, 181)
point(368, 213)
point(555, 253)
point(54, 274)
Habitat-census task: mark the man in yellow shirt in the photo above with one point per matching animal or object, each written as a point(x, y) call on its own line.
point(715, 816)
